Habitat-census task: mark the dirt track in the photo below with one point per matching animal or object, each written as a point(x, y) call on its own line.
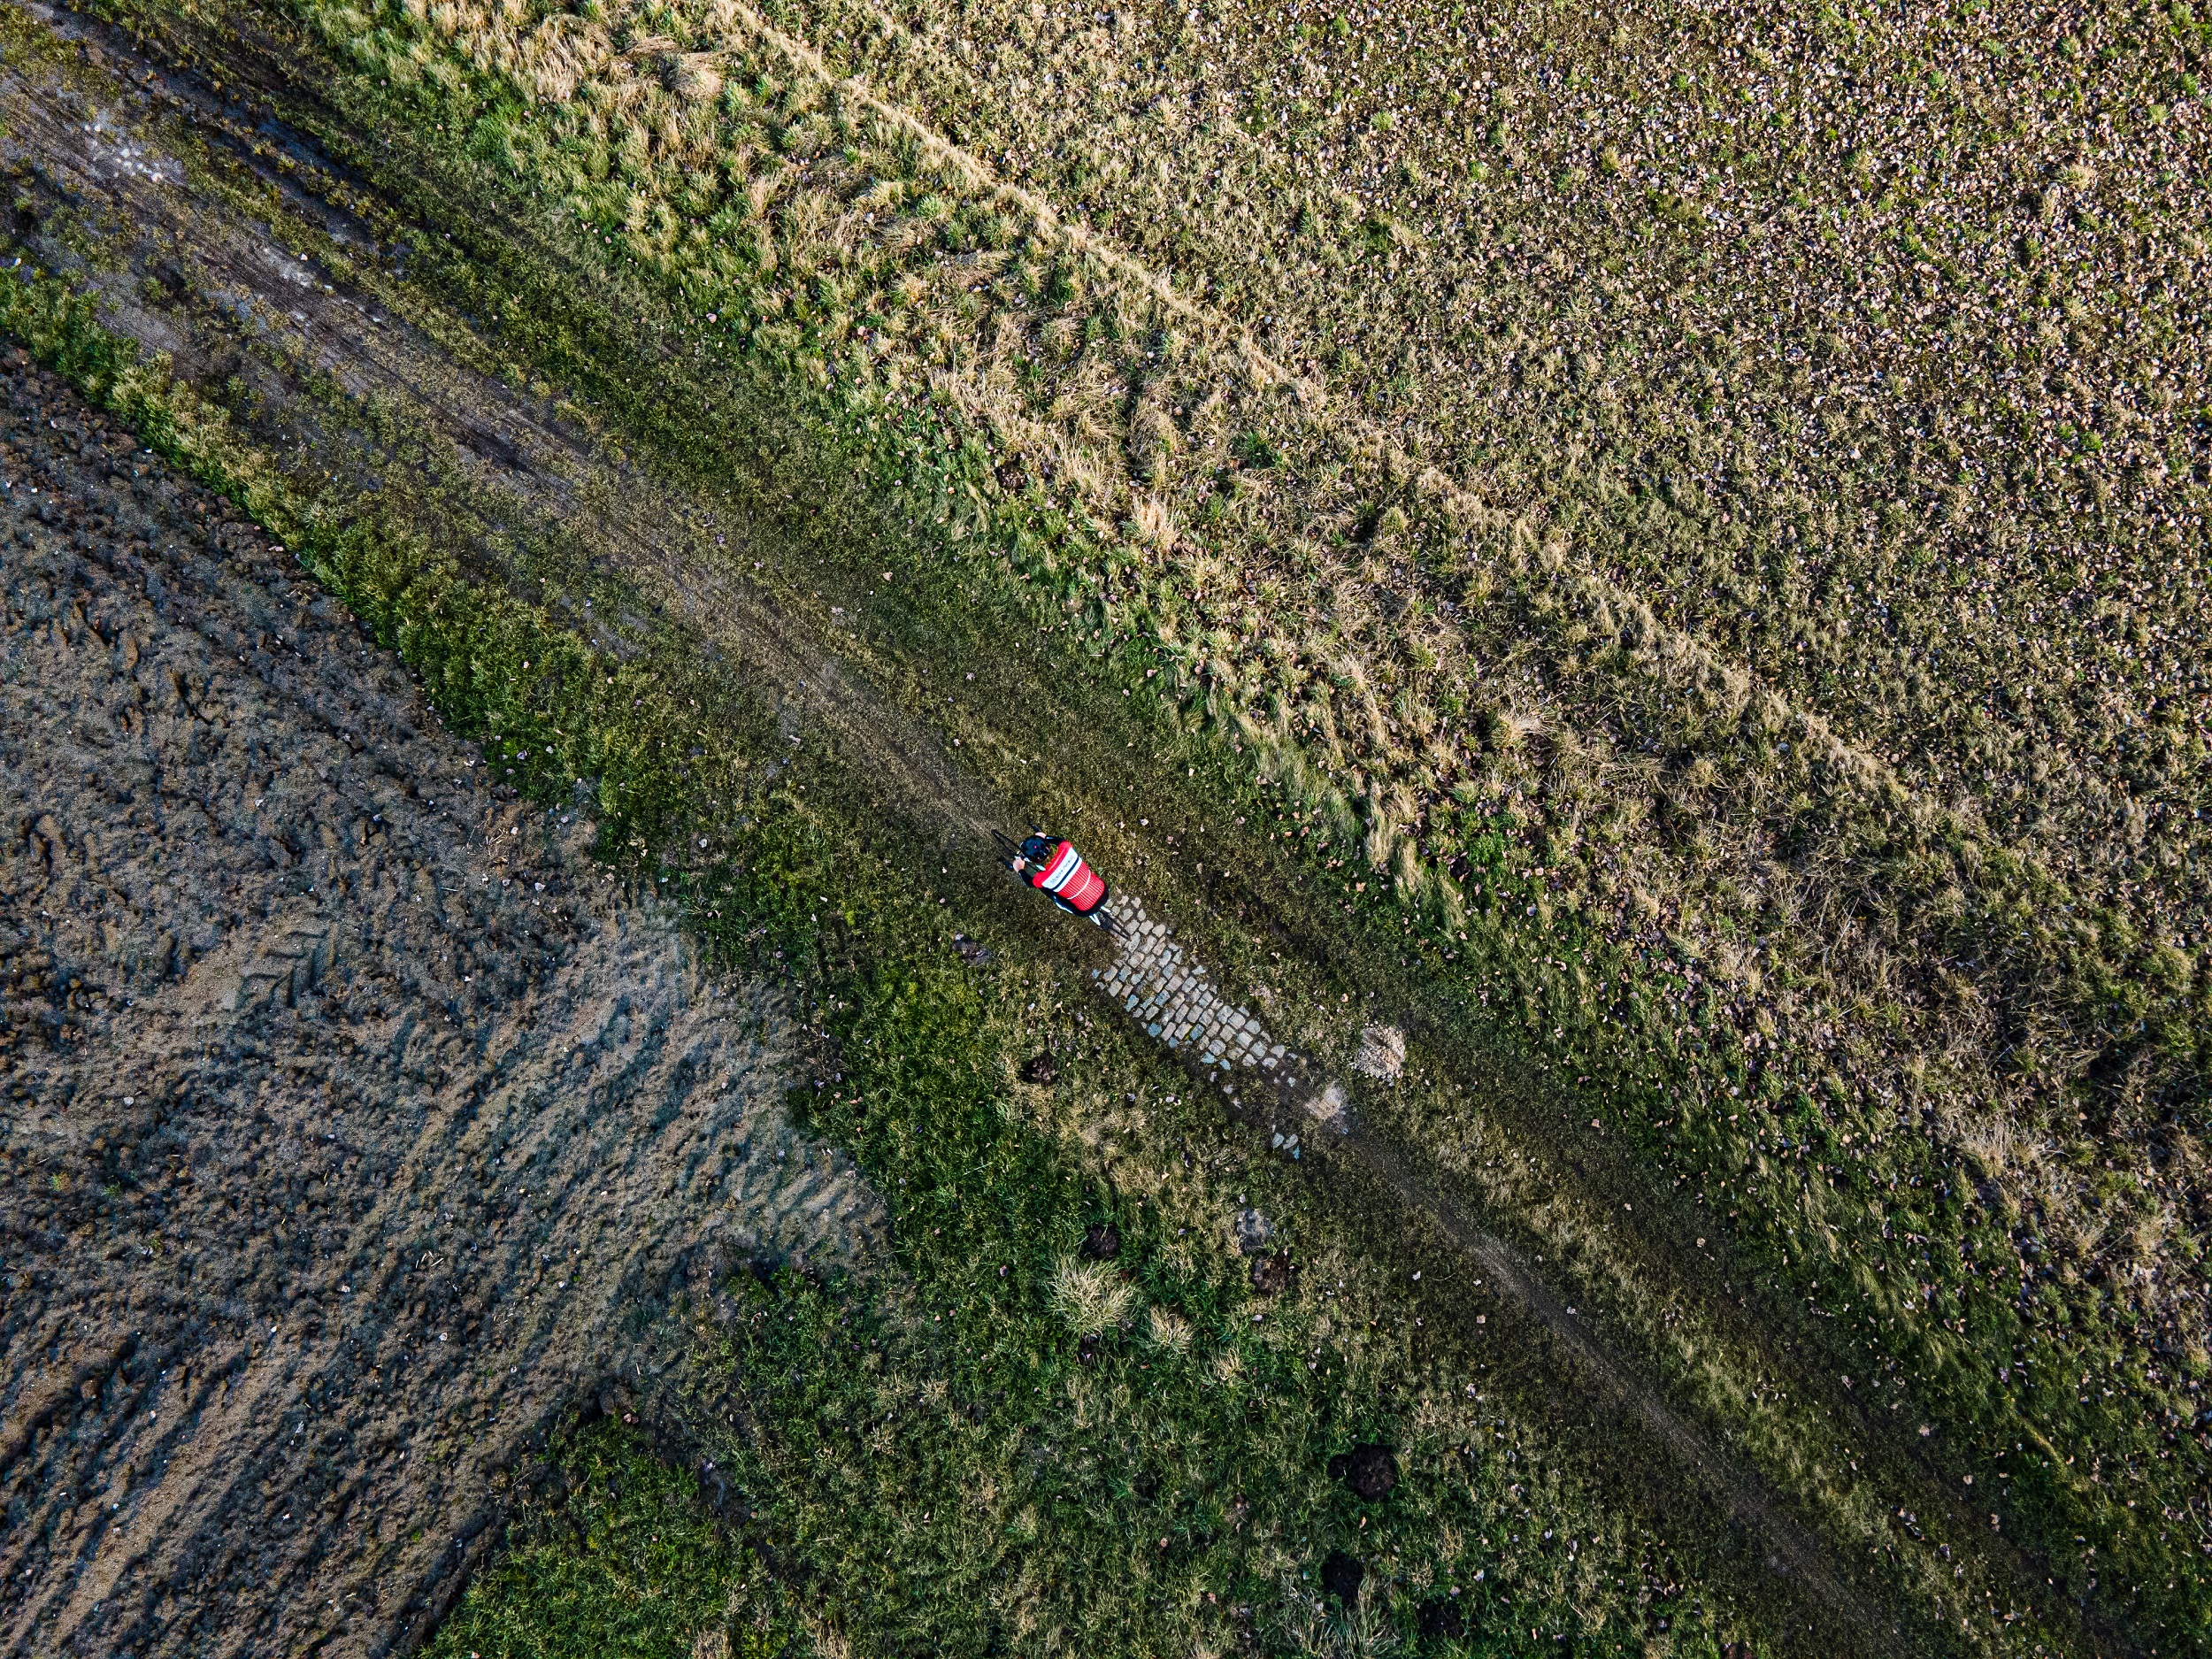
point(104, 155)
point(355, 1125)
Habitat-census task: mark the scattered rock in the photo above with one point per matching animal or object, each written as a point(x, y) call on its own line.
point(1103, 1242)
point(1342, 1575)
point(1369, 1469)
point(1044, 1069)
point(1382, 1053)
point(973, 951)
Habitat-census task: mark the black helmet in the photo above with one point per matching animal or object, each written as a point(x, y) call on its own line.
point(1039, 848)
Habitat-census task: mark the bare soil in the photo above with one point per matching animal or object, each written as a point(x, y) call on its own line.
point(356, 1125)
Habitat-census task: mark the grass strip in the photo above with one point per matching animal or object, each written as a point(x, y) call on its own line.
point(617, 1553)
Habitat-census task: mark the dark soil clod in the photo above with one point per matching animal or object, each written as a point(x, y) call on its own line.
point(1271, 1273)
point(1342, 1575)
point(1441, 1619)
point(1044, 1069)
point(1254, 1230)
point(1369, 1469)
point(1103, 1242)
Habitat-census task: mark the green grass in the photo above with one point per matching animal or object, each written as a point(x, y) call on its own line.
point(616, 1553)
point(1671, 1064)
point(1030, 1517)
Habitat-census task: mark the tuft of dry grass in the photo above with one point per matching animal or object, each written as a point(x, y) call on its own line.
point(1091, 1297)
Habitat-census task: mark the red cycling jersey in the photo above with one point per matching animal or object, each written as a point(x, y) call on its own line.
point(1068, 878)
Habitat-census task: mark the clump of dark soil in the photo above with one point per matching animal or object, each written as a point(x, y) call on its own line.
point(1253, 1231)
point(1103, 1242)
point(1342, 1575)
point(1369, 1470)
point(1271, 1273)
point(355, 1125)
point(1043, 1069)
point(1440, 1620)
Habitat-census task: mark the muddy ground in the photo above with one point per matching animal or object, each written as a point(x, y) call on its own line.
point(356, 1125)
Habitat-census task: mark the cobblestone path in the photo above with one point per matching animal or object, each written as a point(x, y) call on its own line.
point(1160, 985)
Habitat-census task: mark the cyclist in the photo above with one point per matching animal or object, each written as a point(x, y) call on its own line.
point(1053, 866)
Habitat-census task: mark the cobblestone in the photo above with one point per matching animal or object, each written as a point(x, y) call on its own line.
point(1159, 986)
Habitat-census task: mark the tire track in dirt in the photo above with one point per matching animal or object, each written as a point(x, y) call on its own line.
point(90, 151)
point(355, 1124)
